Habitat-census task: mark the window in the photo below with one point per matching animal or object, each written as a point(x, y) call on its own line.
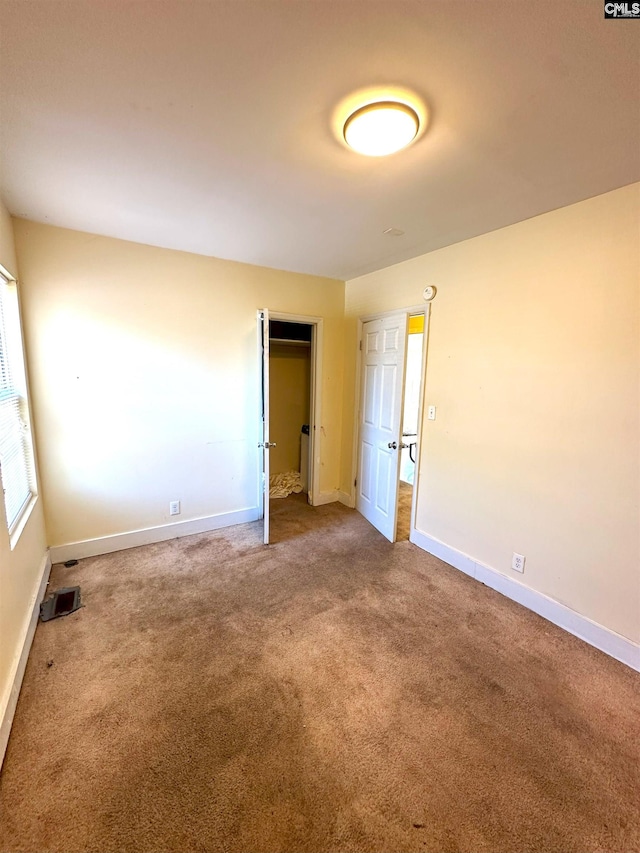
point(16, 455)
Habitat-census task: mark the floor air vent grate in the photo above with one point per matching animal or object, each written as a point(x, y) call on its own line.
point(60, 603)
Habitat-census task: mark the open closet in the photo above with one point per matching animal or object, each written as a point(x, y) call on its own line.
point(289, 406)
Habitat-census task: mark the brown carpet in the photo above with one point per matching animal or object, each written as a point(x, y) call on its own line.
point(331, 692)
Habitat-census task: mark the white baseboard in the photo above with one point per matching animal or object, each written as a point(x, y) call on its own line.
point(134, 538)
point(597, 635)
point(326, 498)
point(346, 499)
point(11, 690)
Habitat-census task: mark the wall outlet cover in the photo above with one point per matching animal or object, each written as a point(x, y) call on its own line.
point(517, 562)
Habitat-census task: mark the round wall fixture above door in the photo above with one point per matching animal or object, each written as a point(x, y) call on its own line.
point(429, 292)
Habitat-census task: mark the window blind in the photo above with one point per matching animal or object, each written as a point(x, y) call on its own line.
point(14, 439)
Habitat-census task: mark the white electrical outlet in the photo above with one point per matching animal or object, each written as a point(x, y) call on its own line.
point(517, 562)
point(431, 413)
point(174, 508)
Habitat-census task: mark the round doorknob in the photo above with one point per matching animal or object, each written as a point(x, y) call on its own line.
point(393, 445)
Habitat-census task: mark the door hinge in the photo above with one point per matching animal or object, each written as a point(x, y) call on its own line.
point(360, 346)
point(355, 482)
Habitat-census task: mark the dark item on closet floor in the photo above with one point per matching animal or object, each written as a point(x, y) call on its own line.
point(60, 603)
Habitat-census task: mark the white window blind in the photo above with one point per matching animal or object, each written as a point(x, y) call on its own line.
point(15, 444)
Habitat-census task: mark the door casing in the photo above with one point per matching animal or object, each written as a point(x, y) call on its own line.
point(410, 311)
point(315, 401)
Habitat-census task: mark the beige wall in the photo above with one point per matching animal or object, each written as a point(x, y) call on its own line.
point(145, 380)
point(144, 383)
point(533, 363)
point(289, 403)
point(20, 568)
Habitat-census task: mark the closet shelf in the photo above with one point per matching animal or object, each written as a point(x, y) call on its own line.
point(287, 342)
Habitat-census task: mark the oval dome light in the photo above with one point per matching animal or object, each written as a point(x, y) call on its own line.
point(381, 128)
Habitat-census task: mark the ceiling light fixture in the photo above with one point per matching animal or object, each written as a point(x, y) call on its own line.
point(381, 128)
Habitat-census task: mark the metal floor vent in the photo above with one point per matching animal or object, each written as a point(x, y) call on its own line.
point(60, 603)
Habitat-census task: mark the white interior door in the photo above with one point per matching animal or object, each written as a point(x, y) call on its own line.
point(263, 429)
point(384, 343)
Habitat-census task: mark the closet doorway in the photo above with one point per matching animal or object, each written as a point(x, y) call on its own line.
point(290, 356)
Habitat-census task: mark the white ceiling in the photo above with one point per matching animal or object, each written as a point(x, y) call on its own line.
point(206, 126)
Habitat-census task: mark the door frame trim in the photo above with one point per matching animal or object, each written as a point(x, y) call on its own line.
point(315, 394)
point(263, 409)
point(424, 308)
